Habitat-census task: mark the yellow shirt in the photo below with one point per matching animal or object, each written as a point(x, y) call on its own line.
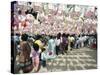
point(39, 43)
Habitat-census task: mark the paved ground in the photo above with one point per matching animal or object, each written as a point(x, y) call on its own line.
point(77, 59)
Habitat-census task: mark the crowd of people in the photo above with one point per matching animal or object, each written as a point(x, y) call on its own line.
point(33, 51)
point(39, 34)
point(50, 19)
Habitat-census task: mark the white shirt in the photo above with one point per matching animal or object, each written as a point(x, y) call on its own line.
point(57, 42)
point(43, 56)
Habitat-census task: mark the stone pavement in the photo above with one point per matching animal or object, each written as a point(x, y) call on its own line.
point(77, 59)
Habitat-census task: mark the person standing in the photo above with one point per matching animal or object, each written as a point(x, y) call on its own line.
point(43, 57)
point(72, 41)
point(63, 43)
point(51, 45)
point(36, 57)
point(58, 41)
point(25, 61)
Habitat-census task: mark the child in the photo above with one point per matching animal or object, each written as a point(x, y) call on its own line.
point(43, 58)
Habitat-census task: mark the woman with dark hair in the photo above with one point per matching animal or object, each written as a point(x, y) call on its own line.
point(24, 37)
point(36, 57)
point(24, 57)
